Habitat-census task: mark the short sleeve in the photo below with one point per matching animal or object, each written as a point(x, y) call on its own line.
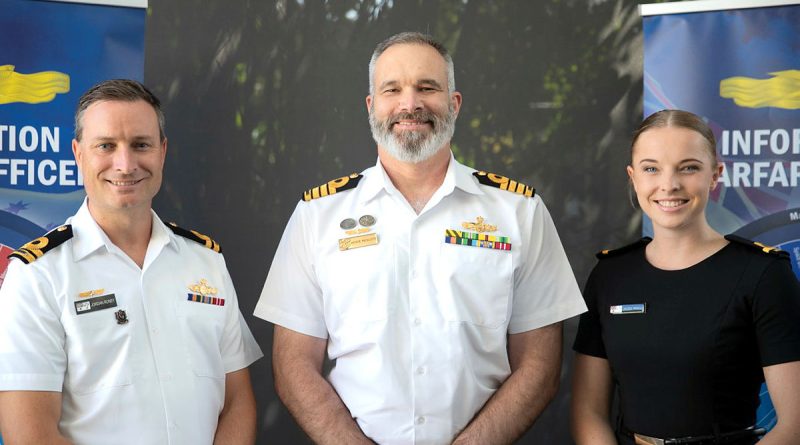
point(32, 339)
point(589, 340)
point(545, 290)
point(238, 347)
point(776, 314)
point(291, 296)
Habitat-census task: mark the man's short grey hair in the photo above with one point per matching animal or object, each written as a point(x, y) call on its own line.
point(415, 38)
point(124, 90)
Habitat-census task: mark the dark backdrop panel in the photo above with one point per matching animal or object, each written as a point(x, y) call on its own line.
point(266, 98)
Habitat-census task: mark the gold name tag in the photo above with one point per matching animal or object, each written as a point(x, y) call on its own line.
point(354, 242)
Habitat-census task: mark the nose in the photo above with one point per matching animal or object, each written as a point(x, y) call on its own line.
point(125, 160)
point(670, 182)
point(410, 101)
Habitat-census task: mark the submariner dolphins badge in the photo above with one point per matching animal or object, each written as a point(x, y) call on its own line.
point(479, 225)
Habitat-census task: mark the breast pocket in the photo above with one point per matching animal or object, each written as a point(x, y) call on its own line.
point(202, 326)
point(99, 352)
point(359, 284)
point(476, 284)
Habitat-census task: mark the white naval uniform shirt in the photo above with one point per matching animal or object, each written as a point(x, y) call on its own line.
point(157, 379)
point(417, 326)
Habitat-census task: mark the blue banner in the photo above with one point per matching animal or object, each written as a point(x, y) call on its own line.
point(740, 70)
point(50, 53)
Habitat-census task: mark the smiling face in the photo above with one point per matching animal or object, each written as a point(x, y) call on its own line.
point(120, 155)
point(411, 112)
point(673, 172)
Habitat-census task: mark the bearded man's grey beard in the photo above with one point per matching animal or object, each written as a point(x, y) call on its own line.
point(413, 146)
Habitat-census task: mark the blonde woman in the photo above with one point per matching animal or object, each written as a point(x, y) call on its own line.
point(684, 327)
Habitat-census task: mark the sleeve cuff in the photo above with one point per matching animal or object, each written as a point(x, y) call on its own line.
point(291, 321)
point(31, 382)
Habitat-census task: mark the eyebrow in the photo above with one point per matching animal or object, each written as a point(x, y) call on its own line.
point(681, 162)
point(141, 137)
point(430, 82)
point(387, 83)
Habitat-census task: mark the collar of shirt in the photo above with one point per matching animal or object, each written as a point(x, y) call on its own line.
point(88, 236)
point(458, 176)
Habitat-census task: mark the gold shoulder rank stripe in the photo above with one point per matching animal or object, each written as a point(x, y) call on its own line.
point(608, 253)
point(196, 237)
point(33, 250)
point(332, 187)
point(756, 245)
point(504, 183)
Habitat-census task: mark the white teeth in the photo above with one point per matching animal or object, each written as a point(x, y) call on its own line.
point(670, 203)
point(123, 183)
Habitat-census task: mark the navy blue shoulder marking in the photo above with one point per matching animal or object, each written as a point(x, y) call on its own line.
point(332, 187)
point(34, 250)
point(195, 236)
point(757, 246)
point(608, 253)
point(504, 183)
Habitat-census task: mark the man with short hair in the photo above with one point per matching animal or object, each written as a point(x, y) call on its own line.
point(115, 327)
point(438, 290)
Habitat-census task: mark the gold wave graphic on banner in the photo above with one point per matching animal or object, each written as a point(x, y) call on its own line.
point(780, 91)
point(32, 88)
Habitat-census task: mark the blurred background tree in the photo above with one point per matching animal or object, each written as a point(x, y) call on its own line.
point(266, 98)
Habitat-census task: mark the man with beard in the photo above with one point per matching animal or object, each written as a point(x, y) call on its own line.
point(438, 290)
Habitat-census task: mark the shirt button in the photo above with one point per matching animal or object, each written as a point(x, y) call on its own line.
point(421, 370)
point(413, 274)
point(166, 377)
point(417, 321)
point(420, 420)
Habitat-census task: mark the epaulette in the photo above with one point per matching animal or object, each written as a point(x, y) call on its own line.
point(195, 236)
point(504, 183)
point(332, 187)
point(757, 246)
point(608, 253)
point(33, 250)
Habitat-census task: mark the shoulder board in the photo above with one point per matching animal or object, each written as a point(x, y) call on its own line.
point(504, 183)
point(757, 246)
point(33, 250)
point(332, 187)
point(195, 236)
point(608, 253)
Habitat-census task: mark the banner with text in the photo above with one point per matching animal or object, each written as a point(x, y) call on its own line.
point(740, 70)
point(50, 53)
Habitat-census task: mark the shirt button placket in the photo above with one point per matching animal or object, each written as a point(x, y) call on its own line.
point(417, 342)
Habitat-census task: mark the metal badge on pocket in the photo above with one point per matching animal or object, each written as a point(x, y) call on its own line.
point(477, 240)
point(204, 293)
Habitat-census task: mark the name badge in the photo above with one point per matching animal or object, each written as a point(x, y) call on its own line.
point(356, 242)
point(95, 304)
point(624, 309)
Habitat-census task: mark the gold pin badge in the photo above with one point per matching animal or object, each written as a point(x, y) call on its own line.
point(358, 231)
point(91, 293)
point(203, 288)
point(479, 226)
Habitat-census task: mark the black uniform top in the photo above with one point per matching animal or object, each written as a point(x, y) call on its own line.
point(694, 359)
